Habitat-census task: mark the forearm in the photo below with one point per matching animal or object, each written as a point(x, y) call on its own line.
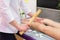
point(53, 32)
point(46, 29)
point(15, 24)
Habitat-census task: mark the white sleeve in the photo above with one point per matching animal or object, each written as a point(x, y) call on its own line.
point(25, 8)
point(9, 11)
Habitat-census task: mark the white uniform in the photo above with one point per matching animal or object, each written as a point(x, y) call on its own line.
point(9, 11)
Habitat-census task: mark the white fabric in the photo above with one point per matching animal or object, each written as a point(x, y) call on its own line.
point(9, 11)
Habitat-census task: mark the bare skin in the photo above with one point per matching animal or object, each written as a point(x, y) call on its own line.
point(22, 27)
point(53, 28)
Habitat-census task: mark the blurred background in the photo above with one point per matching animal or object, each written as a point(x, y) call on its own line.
point(55, 4)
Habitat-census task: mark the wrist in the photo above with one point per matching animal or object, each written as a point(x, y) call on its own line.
point(19, 27)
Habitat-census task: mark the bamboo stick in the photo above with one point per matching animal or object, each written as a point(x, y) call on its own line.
point(32, 19)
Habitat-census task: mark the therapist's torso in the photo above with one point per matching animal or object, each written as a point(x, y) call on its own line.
point(4, 26)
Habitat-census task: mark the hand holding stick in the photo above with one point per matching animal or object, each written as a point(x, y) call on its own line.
point(32, 19)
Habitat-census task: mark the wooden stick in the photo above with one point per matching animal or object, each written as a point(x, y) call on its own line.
point(32, 19)
point(34, 16)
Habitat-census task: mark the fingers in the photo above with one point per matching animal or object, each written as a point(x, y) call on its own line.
point(30, 14)
point(27, 26)
point(50, 23)
point(37, 19)
point(47, 22)
point(24, 27)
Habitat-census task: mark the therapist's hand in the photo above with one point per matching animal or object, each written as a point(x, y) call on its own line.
point(52, 29)
point(24, 27)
